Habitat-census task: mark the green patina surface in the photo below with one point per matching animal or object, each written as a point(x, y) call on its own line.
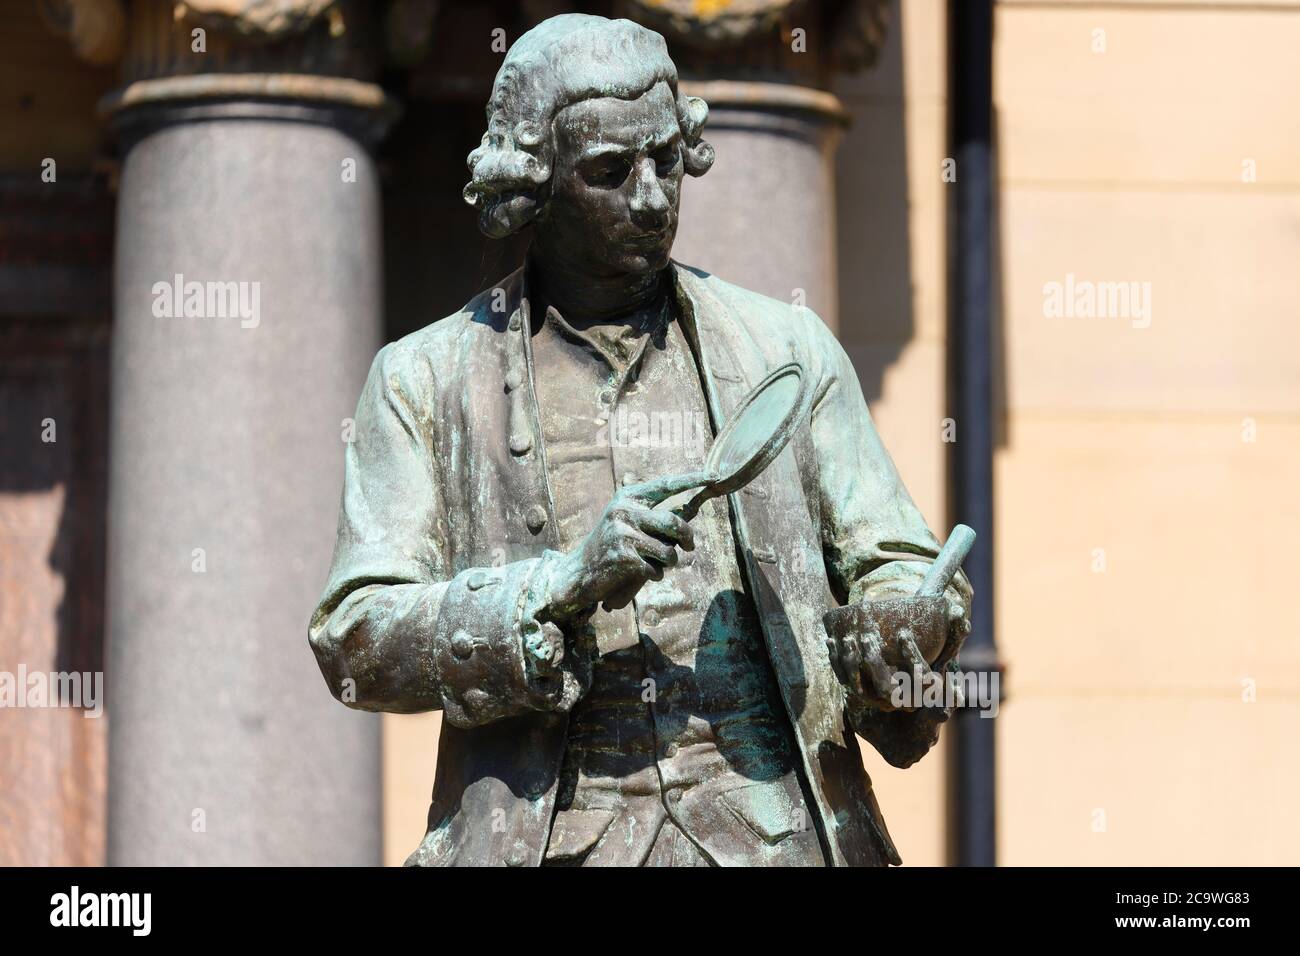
point(459, 583)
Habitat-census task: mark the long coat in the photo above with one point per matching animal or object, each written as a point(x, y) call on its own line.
point(447, 523)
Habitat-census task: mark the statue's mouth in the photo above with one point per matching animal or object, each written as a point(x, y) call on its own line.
point(650, 240)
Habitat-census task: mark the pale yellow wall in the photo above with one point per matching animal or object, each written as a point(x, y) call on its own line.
point(410, 749)
point(1126, 738)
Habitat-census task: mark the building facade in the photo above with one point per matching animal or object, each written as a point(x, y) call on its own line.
point(169, 483)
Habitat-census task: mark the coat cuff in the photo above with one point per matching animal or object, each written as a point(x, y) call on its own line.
point(900, 579)
point(492, 655)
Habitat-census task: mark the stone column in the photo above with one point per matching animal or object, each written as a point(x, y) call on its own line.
point(247, 309)
point(764, 216)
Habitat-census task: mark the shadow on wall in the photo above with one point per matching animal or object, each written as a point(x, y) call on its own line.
point(54, 328)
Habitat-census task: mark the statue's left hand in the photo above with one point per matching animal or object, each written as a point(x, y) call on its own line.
point(865, 661)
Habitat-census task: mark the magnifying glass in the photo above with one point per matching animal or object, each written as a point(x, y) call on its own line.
point(758, 430)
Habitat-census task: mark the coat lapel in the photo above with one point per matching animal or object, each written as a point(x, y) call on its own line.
point(784, 566)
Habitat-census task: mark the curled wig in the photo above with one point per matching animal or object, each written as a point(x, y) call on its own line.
point(562, 61)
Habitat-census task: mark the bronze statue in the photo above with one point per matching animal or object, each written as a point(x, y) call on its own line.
point(630, 672)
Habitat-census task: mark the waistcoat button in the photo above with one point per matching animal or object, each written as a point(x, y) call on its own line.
point(536, 518)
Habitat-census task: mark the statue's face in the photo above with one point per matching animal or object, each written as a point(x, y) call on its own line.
point(616, 182)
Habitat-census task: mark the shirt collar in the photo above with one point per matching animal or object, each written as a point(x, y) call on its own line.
point(600, 339)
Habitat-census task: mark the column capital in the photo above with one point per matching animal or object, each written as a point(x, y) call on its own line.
point(190, 59)
point(805, 40)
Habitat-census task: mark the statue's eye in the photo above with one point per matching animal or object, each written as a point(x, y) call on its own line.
point(666, 159)
point(607, 173)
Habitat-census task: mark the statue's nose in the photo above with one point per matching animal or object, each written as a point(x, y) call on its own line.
point(649, 203)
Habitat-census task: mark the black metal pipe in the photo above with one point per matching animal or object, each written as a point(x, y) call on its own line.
point(972, 808)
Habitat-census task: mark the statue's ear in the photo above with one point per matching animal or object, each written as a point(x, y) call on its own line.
point(507, 213)
point(510, 173)
point(697, 154)
point(509, 184)
point(698, 158)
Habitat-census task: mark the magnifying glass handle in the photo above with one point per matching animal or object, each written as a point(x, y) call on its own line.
point(691, 508)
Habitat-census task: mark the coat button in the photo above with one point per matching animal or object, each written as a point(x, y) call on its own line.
point(513, 379)
point(650, 618)
point(462, 645)
point(476, 580)
point(516, 323)
point(536, 518)
point(520, 444)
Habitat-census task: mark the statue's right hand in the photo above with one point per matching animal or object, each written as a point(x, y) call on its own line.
point(632, 543)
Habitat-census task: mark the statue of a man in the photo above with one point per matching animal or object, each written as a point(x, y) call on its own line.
point(618, 685)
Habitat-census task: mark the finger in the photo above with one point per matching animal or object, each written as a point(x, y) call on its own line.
point(851, 663)
point(878, 673)
point(649, 556)
point(836, 654)
point(616, 602)
point(652, 492)
point(634, 560)
point(663, 524)
point(623, 596)
point(912, 654)
point(956, 612)
point(950, 650)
